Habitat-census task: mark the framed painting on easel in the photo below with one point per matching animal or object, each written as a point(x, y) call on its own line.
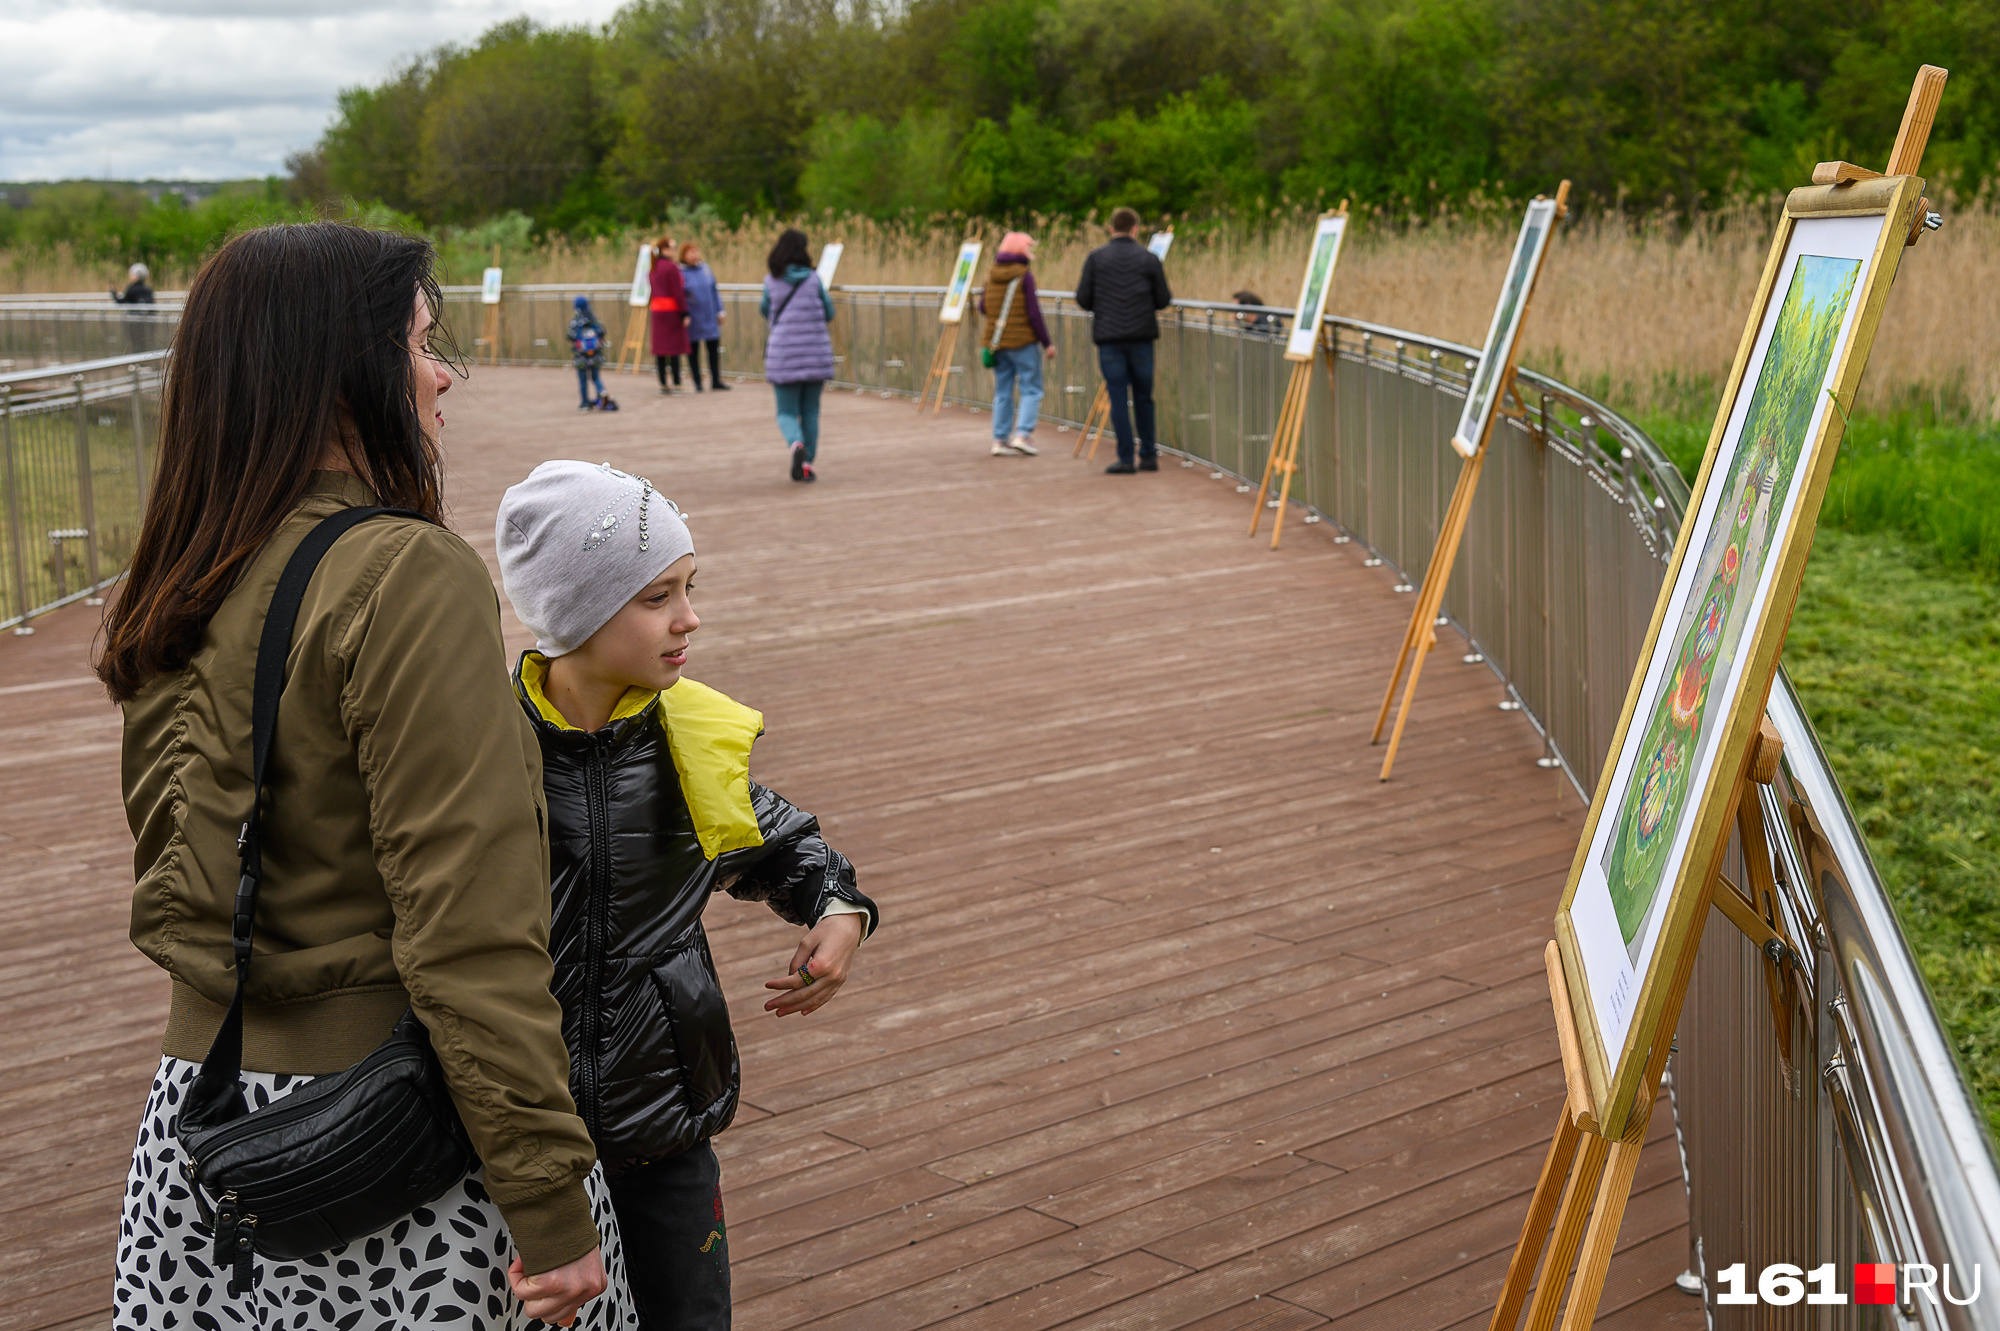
point(1503, 336)
point(1318, 281)
point(951, 313)
point(1659, 821)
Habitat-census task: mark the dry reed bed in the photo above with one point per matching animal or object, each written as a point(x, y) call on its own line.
point(1646, 311)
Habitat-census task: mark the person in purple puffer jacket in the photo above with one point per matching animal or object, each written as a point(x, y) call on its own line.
point(798, 355)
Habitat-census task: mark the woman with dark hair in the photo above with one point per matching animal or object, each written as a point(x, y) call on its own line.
point(670, 314)
point(403, 862)
point(798, 355)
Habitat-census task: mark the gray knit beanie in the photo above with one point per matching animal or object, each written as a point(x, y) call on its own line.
point(577, 540)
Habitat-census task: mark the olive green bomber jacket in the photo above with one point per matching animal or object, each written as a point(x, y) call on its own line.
point(405, 848)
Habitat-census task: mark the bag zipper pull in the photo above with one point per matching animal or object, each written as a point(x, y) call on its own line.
point(243, 1272)
point(225, 1228)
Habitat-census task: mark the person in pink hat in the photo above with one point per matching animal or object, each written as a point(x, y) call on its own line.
point(1018, 341)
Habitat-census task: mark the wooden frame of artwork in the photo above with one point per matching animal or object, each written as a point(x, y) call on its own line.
point(1660, 817)
point(1311, 307)
point(1495, 374)
point(960, 286)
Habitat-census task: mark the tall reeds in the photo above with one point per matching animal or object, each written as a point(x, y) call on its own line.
point(1645, 312)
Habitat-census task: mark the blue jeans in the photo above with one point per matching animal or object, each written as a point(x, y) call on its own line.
point(1017, 372)
point(586, 375)
point(798, 414)
point(1130, 365)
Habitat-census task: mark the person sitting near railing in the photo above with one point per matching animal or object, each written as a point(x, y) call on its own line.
point(138, 287)
point(1255, 324)
point(1124, 287)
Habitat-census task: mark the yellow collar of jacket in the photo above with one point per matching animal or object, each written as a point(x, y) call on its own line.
point(709, 735)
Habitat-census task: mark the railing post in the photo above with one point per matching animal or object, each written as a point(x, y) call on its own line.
point(87, 491)
point(20, 560)
point(138, 439)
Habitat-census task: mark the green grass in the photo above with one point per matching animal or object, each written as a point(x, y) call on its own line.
point(1896, 655)
point(1895, 650)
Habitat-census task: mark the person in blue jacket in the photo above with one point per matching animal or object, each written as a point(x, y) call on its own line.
point(586, 353)
point(705, 316)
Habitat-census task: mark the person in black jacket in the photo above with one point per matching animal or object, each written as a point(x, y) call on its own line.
point(650, 811)
point(1124, 286)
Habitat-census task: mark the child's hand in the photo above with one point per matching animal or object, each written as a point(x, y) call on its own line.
point(824, 954)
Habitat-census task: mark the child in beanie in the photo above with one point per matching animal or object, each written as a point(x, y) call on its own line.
point(651, 808)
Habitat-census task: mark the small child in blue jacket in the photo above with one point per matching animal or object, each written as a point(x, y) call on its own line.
point(651, 809)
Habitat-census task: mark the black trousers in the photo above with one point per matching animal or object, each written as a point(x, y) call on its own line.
point(673, 363)
point(676, 1249)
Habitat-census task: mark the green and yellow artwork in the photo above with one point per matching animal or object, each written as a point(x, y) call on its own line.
point(1755, 482)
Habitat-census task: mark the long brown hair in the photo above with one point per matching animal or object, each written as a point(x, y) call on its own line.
point(293, 339)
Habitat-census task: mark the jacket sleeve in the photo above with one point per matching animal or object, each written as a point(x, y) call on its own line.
point(1157, 275)
point(795, 871)
point(1086, 283)
point(457, 822)
point(1035, 324)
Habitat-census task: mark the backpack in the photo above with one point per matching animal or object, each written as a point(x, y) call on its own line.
point(587, 342)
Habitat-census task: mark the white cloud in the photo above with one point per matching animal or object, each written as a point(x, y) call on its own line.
point(208, 89)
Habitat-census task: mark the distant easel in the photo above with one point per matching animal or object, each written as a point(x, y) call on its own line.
point(951, 314)
point(641, 300)
point(1586, 1178)
point(1301, 351)
point(1421, 634)
point(489, 295)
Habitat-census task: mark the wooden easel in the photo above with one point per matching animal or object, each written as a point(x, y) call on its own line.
point(940, 372)
point(1587, 1177)
point(1095, 422)
point(635, 338)
point(1283, 458)
point(1421, 634)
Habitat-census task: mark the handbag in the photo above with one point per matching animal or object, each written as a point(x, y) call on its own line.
point(986, 353)
point(346, 1154)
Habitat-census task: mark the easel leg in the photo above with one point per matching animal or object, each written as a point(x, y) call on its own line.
point(1542, 1210)
point(947, 352)
point(1602, 1240)
point(1095, 424)
point(1280, 434)
point(1431, 598)
point(1571, 1217)
point(1419, 619)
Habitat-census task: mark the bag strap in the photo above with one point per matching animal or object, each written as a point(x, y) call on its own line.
point(779, 311)
point(1006, 306)
point(214, 1096)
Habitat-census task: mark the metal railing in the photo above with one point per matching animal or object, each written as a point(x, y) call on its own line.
point(1849, 1136)
point(75, 454)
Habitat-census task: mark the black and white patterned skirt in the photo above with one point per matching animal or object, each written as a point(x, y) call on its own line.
point(442, 1265)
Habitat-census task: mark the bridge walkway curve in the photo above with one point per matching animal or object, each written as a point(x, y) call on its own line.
point(1178, 1017)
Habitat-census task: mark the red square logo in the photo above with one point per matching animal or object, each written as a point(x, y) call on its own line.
point(1874, 1282)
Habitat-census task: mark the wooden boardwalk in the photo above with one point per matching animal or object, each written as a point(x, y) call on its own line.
point(1178, 1018)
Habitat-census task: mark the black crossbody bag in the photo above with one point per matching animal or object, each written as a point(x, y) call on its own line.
point(344, 1155)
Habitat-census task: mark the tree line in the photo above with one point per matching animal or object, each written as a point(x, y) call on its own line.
point(1008, 108)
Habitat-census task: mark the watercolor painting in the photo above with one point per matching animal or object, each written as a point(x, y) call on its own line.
point(1756, 473)
point(961, 282)
point(1312, 295)
point(1505, 330)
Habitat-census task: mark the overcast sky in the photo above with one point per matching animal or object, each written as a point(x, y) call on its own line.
point(207, 89)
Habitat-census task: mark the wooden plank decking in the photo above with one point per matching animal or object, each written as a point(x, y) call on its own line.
point(1178, 1018)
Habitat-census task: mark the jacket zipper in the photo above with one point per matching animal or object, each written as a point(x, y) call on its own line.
point(593, 930)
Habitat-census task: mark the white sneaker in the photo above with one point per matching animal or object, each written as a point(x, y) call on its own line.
point(1001, 450)
point(1019, 443)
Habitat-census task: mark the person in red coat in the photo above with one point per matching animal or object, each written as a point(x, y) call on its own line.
point(670, 315)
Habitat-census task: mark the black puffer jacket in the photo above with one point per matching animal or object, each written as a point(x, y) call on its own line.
point(652, 1060)
point(1124, 286)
